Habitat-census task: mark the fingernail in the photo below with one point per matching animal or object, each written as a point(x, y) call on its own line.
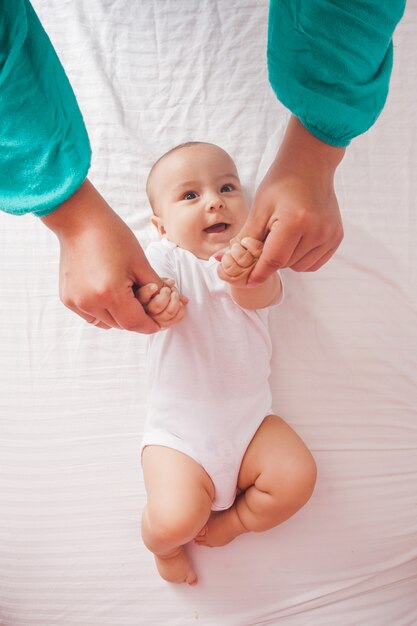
point(245, 241)
point(153, 287)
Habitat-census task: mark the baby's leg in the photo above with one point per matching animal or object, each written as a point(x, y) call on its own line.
point(277, 476)
point(180, 494)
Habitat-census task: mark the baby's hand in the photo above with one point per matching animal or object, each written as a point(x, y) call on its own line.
point(166, 306)
point(238, 261)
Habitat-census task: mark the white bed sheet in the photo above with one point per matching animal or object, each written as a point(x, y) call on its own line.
point(149, 75)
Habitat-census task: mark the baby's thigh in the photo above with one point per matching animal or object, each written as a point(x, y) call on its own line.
point(179, 490)
point(277, 459)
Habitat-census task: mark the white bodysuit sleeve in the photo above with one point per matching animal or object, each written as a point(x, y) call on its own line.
point(162, 260)
point(280, 297)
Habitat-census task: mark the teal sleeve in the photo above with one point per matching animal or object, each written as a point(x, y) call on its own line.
point(329, 62)
point(44, 148)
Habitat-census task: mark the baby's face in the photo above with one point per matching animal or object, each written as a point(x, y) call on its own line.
point(198, 199)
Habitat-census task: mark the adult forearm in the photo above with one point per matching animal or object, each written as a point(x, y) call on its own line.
point(85, 210)
point(44, 147)
point(301, 149)
point(330, 62)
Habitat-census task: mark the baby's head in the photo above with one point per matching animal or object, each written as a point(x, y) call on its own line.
point(196, 197)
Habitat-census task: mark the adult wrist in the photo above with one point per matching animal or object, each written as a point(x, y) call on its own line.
point(300, 142)
point(78, 213)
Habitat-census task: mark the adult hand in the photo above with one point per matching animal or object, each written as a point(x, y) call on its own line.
point(101, 263)
point(295, 210)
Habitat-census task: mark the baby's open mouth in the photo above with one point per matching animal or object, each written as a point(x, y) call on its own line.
point(217, 228)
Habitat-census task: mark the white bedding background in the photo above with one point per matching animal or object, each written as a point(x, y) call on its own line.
point(148, 75)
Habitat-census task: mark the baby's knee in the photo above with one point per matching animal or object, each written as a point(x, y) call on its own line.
point(291, 487)
point(301, 480)
point(171, 526)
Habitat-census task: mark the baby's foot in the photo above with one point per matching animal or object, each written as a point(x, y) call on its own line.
point(176, 567)
point(220, 529)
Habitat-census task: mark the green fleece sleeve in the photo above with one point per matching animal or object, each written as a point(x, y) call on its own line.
point(330, 61)
point(44, 148)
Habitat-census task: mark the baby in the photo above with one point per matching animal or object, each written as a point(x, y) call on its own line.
point(217, 462)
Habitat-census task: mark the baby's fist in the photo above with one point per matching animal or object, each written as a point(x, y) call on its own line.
point(239, 260)
point(166, 306)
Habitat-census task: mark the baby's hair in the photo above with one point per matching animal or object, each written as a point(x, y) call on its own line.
point(186, 144)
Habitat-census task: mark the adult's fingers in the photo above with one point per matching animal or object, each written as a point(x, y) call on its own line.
point(129, 314)
point(102, 319)
point(97, 323)
point(126, 309)
point(311, 251)
point(313, 260)
point(277, 250)
point(256, 225)
point(145, 294)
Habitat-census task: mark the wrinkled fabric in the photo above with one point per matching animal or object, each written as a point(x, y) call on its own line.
point(44, 147)
point(330, 62)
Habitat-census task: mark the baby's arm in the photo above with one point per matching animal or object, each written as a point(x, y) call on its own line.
point(166, 306)
point(236, 266)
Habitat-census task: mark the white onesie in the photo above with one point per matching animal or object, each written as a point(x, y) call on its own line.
point(208, 375)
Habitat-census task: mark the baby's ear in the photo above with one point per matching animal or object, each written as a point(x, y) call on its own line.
point(157, 222)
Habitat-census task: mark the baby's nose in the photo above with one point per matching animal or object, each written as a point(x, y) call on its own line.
point(215, 202)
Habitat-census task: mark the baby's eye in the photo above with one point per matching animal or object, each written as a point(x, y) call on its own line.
point(190, 195)
point(226, 188)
